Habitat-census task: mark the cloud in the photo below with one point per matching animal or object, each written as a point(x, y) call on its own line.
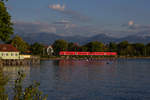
point(131, 23)
point(136, 29)
point(68, 28)
point(62, 22)
point(132, 26)
point(33, 27)
point(70, 13)
point(140, 27)
point(57, 7)
point(66, 23)
point(61, 27)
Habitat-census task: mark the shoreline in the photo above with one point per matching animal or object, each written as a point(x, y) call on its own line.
point(100, 58)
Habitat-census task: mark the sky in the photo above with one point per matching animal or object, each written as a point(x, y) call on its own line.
point(81, 17)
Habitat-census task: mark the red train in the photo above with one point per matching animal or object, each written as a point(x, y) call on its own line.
point(88, 53)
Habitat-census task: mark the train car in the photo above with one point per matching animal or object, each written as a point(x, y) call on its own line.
point(87, 53)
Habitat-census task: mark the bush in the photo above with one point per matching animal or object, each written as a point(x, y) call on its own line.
point(31, 92)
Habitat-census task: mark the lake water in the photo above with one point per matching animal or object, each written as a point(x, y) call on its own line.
point(122, 79)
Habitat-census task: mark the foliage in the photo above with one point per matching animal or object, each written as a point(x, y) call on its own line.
point(147, 48)
point(84, 48)
point(3, 0)
point(112, 47)
point(60, 45)
point(31, 92)
point(6, 29)
point(20, 44)
point(140, 49)
point(123, 48)
point(95, 46)
point(37, 48)
point(73, 47)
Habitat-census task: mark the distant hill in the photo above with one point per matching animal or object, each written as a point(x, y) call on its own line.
point(49, 38)
point(135, 39)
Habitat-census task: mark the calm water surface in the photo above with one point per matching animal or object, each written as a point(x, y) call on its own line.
point(122, 79)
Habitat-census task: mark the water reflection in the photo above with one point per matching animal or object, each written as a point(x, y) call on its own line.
point(12, 73)
point(122, 79)
point(62, 72)
point(3, 82)
point(79, 62)
point(73, 77)
point(68, 69)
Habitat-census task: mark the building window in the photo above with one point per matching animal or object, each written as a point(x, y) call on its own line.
point(12, 54)
point(6, 54)
point(3, 54)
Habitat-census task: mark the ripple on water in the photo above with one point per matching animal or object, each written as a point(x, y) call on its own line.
point(123, 79)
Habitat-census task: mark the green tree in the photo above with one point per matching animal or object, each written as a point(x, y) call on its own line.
point(60, 45)
point(140, 49)
point(20, 44)
point(73, 47)
point(112, 47)
point(148, 49)
point(31, 92)
point(122, 48)
point(95, 46)
point(37, 48)
point(84, 48)
point(130, 50)
point(6, 29)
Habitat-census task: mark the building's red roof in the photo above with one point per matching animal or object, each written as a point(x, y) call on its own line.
point(7, 48)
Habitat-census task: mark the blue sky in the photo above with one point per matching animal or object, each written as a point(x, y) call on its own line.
point(81, 17)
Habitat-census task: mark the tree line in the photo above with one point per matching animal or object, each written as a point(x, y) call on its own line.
point(123, 48)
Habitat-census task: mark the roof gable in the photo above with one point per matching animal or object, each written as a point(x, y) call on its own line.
point(7, 48)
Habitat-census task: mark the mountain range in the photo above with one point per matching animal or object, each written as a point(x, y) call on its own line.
point(49, 38)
